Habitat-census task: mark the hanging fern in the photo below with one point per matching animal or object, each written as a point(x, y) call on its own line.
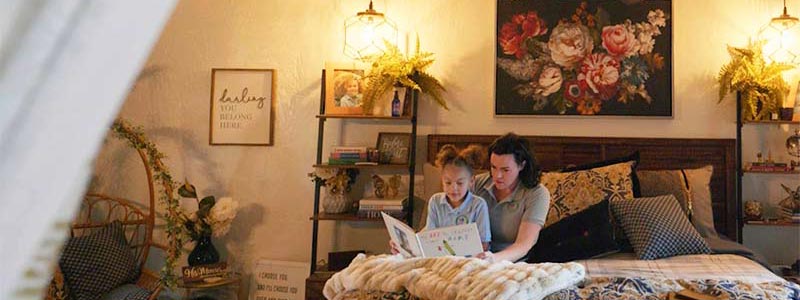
point(759, 83)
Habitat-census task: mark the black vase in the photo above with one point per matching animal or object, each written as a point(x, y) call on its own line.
point(204, 252)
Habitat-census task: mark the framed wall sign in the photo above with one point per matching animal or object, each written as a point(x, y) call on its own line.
point(582, 57)
point(242, 107)
point(344, 88)
point(394, 147)
point(278, 280)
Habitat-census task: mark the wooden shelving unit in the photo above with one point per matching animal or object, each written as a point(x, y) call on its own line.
point(771, 172)
point(770, 122)
point(772, 223)
point(409, 168)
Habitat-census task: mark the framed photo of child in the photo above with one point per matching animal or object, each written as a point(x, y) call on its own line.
point(344, 88)
point(394, 147)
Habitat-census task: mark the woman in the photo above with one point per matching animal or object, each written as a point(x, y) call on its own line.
point(518, 203)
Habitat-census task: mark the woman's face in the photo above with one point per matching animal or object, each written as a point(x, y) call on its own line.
point(505, 170)
point(351, 88)
point(456, 181)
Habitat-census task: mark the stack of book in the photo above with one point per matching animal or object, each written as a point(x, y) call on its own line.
point(372, 208)
point(769, 167)
point(346, 155)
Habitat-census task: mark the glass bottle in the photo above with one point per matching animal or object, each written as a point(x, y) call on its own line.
point(396, 109)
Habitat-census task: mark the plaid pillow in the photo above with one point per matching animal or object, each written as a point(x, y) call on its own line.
point(658, 228)
point(95, 264)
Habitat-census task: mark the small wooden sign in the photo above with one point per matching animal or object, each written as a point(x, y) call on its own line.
point(198, 273)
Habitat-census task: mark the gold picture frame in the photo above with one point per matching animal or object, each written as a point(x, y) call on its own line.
point(344, 87)
point(242, 107)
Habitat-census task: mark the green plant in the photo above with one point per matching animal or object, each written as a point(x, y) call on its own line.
point(760, 84)
point(393, 69)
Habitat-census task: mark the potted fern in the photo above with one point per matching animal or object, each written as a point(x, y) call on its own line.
point(759, 83)
point(392, 69)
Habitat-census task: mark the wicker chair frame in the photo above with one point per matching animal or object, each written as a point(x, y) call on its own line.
point(97, 211)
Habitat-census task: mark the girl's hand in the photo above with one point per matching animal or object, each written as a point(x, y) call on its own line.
point(393, 247)
point(486, 255)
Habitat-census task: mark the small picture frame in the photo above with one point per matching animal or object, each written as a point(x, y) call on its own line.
point(344, 88)
point(242, 107)
point(394, 147)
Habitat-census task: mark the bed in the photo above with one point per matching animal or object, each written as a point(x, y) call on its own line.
point(731, 272)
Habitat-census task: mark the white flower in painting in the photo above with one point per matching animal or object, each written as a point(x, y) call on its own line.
point(549, 81)
point(569, 43)
point(646, 43)
point(221, 215)
point(657, 18)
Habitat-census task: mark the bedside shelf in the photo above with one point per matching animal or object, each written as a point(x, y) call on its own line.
point(772, 223)
point(772, 122)
point(364, 117)
point(379, 166)
point(347, 217)
point(771, 172)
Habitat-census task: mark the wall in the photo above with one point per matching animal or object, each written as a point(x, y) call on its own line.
point(171, 100)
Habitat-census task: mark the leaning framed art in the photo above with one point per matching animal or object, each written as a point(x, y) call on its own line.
point(573, 57)
point(344, 88)
point(242, 107)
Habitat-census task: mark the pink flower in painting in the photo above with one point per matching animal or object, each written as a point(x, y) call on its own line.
point(619, 41)
point(569, 43)
point(600, 73)
point(521, 27)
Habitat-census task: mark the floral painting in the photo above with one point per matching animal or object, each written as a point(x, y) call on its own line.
point(568, 57)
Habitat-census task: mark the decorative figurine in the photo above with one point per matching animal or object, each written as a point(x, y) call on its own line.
point(394, 185)
point(752, 210)
point(379, 185)
point(791, 204)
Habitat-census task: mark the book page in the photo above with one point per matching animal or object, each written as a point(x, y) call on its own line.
point(403, 236)
point(461, 240)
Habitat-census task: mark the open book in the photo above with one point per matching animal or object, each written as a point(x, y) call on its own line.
point(460, 240)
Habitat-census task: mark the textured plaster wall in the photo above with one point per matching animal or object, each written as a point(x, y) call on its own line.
point(171, 101)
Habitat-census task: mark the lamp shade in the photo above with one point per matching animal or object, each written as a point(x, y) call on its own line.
point(781, 39)
point(364, 33)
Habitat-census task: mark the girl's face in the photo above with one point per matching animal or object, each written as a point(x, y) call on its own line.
point(505, 170)
point(456, 182)
point(351, 87)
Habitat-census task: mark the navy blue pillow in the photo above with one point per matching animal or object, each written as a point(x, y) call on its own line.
point(95, 264)
point(586, 234)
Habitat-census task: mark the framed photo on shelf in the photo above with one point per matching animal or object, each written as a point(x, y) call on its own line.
point(344, 88)
point(242, 107)
point(394, 147)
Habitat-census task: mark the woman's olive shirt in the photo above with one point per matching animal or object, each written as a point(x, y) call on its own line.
point(505, 215)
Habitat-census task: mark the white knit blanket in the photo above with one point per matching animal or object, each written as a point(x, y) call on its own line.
point(453, 277)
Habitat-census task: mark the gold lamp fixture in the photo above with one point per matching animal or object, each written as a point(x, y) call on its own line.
point(781, 37)
point(364, 33)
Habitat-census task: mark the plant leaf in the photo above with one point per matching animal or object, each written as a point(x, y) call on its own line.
point(205, 206)
point(187, 190)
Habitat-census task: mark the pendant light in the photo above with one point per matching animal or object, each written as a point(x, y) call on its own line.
point(364, 33)
point(781, 38)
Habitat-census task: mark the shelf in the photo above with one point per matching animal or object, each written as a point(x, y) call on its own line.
point(772, 172)
point(771, 122)
point(364, 117)
point(348, 217)
point(327, 166)
point(772, 223)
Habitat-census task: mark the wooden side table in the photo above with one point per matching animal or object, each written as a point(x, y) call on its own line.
point(232, 280)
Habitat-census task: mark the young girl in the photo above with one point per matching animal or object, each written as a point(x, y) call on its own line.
point(347, 90)
point(457, 205)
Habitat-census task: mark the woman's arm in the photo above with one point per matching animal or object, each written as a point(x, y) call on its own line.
point(527, 235)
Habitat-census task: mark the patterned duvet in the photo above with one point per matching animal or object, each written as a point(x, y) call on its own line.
point(623, 277)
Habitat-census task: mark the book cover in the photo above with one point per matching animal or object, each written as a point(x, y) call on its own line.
point(460, 240)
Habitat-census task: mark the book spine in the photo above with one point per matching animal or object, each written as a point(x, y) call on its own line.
point(343, 161)
point(339, 149)
point(380, 207)
point(381, 202)
point(348, 155)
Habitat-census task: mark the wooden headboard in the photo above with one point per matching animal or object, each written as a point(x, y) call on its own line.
point(554, 153)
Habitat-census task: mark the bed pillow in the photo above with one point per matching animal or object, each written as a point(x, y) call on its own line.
point(95, 264)
point(586, 234)
point(666, 182)
point(633, 157)
point(657, 228)
point(702, 214)
point(572, 192)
